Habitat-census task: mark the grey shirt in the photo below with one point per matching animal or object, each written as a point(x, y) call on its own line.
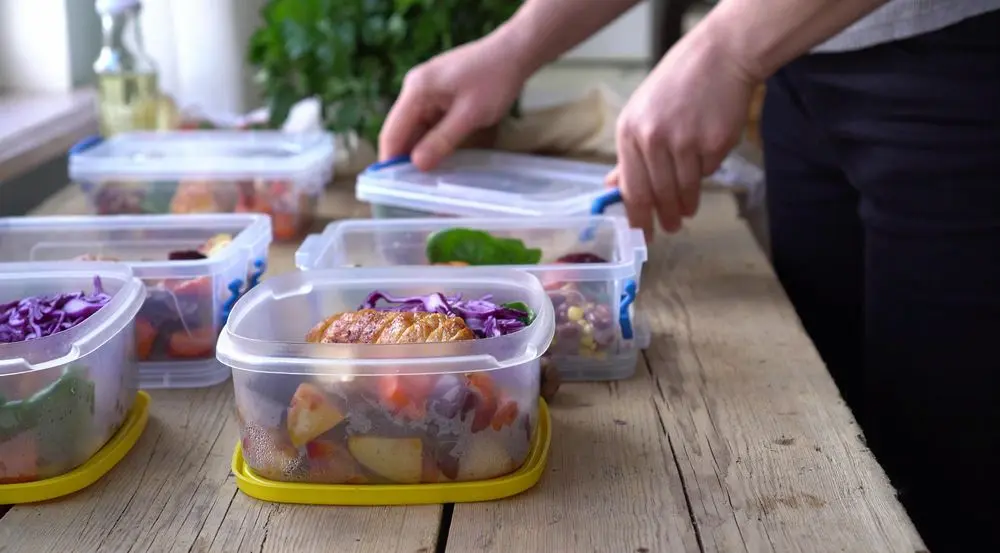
point(899, 19)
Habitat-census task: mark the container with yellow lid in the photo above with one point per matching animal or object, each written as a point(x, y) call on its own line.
point(354, 415)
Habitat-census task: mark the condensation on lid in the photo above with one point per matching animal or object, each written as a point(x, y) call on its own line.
point(205, 154)
point(482, 183)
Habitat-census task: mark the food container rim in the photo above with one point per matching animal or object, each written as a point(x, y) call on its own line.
point(241, 352)
point(314, 152)
point(256, 232)
point(456, 194)
point(630, 244)
point(90, 335)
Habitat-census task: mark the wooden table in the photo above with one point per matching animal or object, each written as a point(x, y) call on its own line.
point(730, 437)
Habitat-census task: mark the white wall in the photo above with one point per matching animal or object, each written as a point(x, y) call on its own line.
point(628, 39)
point(201, 47)
point(34, 45)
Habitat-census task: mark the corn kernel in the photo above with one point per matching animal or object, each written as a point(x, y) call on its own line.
point(575, 313)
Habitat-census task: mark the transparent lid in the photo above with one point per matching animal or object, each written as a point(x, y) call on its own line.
point(21, 280)
point(205, 155)
point(482, 183)
point(133, 238)
point(266, 329)
point(397, 242)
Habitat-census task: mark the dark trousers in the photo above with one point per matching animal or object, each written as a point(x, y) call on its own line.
point(883, 170)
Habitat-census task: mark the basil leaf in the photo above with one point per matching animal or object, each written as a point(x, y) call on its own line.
point(477, 247)
point(521, 306)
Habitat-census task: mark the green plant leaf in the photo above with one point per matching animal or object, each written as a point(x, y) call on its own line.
point(521, 306)
point(281, 104)
point(477, 247)
point(355, 53)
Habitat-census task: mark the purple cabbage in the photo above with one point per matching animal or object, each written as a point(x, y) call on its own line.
point(485, 318)
point(39, 316)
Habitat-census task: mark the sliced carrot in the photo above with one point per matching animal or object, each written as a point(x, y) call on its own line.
point(145, 336)
point(482, 385)
point(406, 394)
point(506, 415)
point(285, 226)
point(201, 286)
point(199, 344)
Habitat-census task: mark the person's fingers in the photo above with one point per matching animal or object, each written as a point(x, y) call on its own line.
point(637, 194)
point(659, 165)
point(687, 168)
point(458, 123)
point(403, 127)
point(613, 178)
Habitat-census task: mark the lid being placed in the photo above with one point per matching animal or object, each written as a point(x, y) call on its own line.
point(266, 329)
point(205, 155)
point(474, 183)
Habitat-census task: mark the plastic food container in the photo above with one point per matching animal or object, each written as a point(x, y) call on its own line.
point(481, 183)
point(383, 415)
point(597, 336)
point(65, 395)
point(182, 172)
point(188, 299)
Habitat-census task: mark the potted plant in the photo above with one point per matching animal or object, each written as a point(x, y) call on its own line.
point(353, 54)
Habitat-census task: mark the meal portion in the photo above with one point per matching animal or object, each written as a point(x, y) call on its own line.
point(54, 419)
point(406, 428)
point(585, 322)
point(178, 321)
point(291, 211)
point(40, 316)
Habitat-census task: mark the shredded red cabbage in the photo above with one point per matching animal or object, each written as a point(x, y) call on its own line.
point(485, 318)
point(40, 316)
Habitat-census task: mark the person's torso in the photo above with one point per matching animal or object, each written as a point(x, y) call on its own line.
point(899, 19)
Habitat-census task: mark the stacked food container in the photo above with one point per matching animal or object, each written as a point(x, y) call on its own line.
point(480, 183)
point(68, 376)
point(274, 173)
point(194, 267)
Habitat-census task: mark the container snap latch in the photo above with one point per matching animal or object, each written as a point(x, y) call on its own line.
point(623, 315)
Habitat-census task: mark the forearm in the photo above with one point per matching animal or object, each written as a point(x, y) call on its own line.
point(543, 30)
point(763, 35)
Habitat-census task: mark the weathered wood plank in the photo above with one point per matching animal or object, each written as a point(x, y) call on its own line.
point(771, 456)
point(611, 483)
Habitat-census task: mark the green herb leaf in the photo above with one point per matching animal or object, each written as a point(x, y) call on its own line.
point(521, 306)
point(477, 247)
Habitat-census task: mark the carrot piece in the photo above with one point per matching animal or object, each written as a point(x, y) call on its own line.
point(145, 336)
point(199, 344)
point(506, 415)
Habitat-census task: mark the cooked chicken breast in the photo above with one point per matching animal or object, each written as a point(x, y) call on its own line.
point(369, 326)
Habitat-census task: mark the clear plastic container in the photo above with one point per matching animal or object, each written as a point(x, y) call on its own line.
point(188, 301)
point(181, 172)
point(596, 336)
point(383, 414)
point(480, 183)
point(62, 397)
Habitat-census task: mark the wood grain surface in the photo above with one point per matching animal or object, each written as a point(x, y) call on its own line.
point(730, 437)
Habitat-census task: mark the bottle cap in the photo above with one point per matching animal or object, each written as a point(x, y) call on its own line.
point(114, 7)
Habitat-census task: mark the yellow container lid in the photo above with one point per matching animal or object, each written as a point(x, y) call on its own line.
point(402, 494)
point(86, 474)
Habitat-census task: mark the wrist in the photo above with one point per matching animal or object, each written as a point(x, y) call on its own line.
point(729, 33)
point(516, 43)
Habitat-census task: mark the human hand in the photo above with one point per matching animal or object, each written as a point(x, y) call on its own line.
point(448, 98)
point(678, 127)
